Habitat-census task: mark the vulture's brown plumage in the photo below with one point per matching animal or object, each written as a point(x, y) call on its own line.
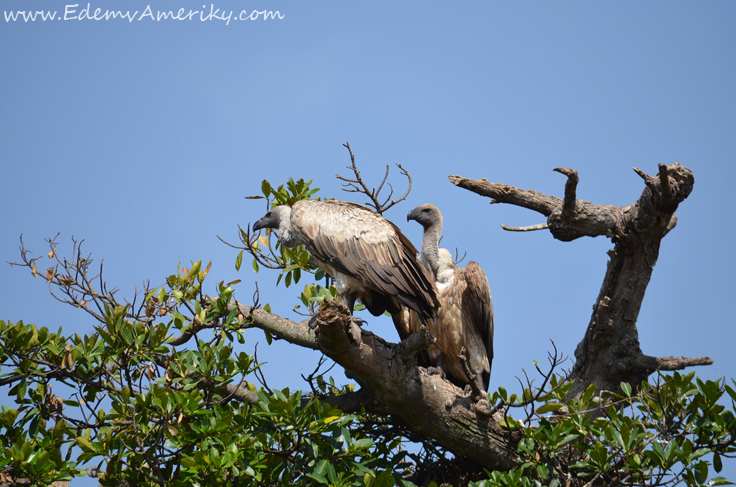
point(367, 255)
point(465, 316)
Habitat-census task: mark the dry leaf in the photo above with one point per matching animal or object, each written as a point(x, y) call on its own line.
point(84, 303)
point(52, 253)
point(67, 360)
point(34, 270)
point(185, 271)
point(50, 274)
point(263, 240)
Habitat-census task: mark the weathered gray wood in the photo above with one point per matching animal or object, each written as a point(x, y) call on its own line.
point(610, 353)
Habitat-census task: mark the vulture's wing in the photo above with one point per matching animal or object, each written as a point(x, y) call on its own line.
point(361, 243)
point(478, 307)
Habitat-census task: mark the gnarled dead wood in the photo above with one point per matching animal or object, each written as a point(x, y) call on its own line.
point(610, 352)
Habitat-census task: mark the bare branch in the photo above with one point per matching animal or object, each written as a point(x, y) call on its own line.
point(531, 228)
point(503, 193)
point(648, 180)
point(670, 363)
point(357, 185)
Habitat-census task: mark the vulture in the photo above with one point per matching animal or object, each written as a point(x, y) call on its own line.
point(465, 315)
point(367, 256)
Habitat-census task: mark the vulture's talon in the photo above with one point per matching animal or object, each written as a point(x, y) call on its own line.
point(358, 321)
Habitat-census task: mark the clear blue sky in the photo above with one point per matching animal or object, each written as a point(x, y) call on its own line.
point(143, 138)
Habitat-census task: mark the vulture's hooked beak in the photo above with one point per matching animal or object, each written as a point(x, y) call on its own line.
point(258, 225)
point(412, 215)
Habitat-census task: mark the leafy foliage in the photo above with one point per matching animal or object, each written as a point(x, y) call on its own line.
point(147, 412)
point(663, 435)
point(160, 394)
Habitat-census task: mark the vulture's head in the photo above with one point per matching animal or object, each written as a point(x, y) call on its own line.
point(273, 218)
point(426, 215)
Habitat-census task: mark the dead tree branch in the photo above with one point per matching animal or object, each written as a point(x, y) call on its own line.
point(610, 352)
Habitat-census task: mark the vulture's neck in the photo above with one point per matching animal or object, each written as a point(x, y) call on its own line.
point(431, 246)
point(287, 235)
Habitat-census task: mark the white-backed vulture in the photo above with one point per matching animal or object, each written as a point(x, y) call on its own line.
point(367, 255)
point(465, 316)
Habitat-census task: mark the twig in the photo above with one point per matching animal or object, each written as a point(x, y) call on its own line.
point(351, 185)
point(531, 228)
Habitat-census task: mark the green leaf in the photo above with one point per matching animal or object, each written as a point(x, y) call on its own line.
point(385, 480)
point(548, 407)
point(719, 481)
point(589, 392)
point(255, 266)
point(626, 388)
point(239, 261)
point(717, 463)
point(85, 444)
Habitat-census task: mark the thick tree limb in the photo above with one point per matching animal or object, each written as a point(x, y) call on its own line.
point(393, 384)
point(297, 332)
point(503, 193)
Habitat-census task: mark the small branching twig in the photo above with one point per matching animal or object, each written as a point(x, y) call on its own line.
point(357, 185)
point(555, 360)
point(316, 373)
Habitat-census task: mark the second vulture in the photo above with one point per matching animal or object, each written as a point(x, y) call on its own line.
point(465, 316)
point(367, 255)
